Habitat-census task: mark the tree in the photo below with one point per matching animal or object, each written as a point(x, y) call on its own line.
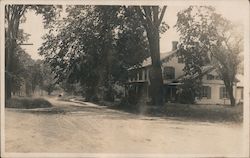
point(95, 35)
point(208, 38)
point(227, 51)
point(25, 68)
point(91, 47)
point(17, 77)
point(14, 15)
point(151, 17)
point(27, 72)
point(36, 75)
point(48, 81)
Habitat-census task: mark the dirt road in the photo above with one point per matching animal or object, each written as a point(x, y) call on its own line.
point(87, 128)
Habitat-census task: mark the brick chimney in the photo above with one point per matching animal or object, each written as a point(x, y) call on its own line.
point(174, 45)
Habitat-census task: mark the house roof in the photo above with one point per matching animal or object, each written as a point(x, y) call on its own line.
point(204, 70)
point(148, 62)
point(163, 56)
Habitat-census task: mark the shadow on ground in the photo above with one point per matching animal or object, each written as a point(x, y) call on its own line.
point(182, 112)
point(66, 107)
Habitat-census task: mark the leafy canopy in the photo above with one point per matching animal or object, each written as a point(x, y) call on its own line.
point(207, 38)
point(95, 43)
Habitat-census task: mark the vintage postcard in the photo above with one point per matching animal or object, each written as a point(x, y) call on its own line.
point(124, 78)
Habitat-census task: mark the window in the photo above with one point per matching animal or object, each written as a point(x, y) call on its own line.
point(206, 92)
point(133, 76)
point(213, 77)
point(169, 73)
point(218, 77)
point(223, 93)
point(210, 77)
point(240, 92)
point(145, 74)
point(180, 60)
point(140, 74)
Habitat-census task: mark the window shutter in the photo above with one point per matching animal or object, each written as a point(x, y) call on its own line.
point(173, 73)
point(208, 92)
point(221, 92)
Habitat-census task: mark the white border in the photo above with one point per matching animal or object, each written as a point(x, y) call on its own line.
point(246, 108)
point(2, 58)
point(246, 122)
point(128, 2)
point(120, 155)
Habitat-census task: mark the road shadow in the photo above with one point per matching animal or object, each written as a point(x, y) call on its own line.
point(180, 112)
point(78, 108)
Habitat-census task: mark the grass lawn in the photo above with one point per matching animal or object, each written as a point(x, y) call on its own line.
point(184, 112)
point(27, 103)
point(195, 112)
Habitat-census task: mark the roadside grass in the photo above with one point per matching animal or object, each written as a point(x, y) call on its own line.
point(188, 112)
point(184, 112)
point(176, 111)
point(210, 113)
point(27, 103)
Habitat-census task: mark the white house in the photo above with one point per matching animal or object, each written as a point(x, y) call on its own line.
point(213, 89)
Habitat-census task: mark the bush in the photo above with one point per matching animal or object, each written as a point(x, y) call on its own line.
point(186, 96)
point(188, 91)
point(109, 95)
point(125, 101)
point(27, 103)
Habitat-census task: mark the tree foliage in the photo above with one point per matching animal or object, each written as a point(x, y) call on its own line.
point(48, 81)
point(208, 38)
point(14, 15)
point(26, 73)
point(26, 66)
point(92, 46)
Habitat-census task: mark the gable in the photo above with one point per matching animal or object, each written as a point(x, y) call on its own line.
point(164, 57)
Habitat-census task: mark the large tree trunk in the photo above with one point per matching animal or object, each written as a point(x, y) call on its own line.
point(156, 86)
point(7, 88)
point(13, 21)
point(152, 18)
point(231, 95)
point(229, 87)
point(7, 82)
point(156, 71)
point(9, 57)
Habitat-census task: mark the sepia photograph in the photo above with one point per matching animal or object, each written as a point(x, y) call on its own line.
point(117, 79)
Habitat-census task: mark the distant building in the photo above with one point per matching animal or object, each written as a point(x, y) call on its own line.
point(213, 89)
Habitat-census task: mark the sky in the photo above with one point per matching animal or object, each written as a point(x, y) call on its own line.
point(34, 26)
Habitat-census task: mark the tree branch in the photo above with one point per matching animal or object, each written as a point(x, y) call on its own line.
point(148, 13)
point(155, 16)
point(143, 17)
point(162, 14)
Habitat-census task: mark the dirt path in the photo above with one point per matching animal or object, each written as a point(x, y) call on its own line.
point(87, 128)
